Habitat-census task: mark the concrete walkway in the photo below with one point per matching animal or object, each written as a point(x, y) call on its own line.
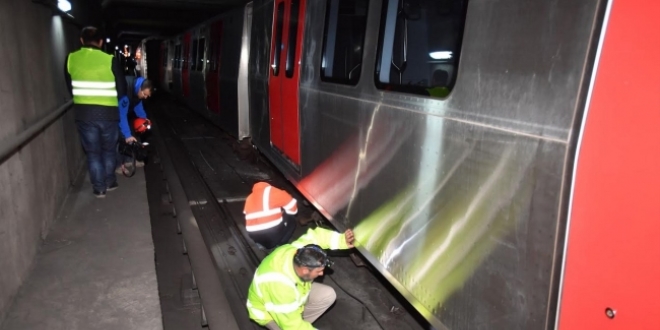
point(96, 268)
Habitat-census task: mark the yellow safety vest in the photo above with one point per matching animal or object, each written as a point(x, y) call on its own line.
point(91, 77)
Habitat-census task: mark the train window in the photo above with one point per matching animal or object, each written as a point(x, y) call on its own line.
point(419, 45)
point(200, 52)
point(174, 58)
point(278, 39)
point(164, 61)
point(343, 40)
point(177, 56)
point(179, 60)
point(193, 59)
point(293, 34)
point(185, 53)
point(211, 61)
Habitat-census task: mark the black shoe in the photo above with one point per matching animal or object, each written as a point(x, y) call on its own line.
point(99, 194)
point(112, 187)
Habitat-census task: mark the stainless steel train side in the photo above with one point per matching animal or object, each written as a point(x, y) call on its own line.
point(459, 201)
point(176, 85)
point(229, 56)
point(260, 37)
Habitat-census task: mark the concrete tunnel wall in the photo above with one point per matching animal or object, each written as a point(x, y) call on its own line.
point(34, 180)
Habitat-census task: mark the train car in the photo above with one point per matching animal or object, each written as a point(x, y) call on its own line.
point(141, 52)
point(167, 64)
point(207, 69)
point(448, 133)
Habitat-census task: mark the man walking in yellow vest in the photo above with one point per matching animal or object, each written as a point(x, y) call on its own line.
point(99, 89)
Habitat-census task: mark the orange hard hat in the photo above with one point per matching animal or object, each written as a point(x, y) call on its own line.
point(141, 125)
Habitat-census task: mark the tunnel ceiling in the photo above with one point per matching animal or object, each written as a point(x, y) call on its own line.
point(130, 21)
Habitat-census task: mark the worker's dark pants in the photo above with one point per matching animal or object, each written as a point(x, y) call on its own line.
point(99, 140)
point(276, 236)
point(321, 297)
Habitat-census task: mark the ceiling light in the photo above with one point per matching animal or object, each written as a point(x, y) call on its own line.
point(64, 5)
point(444, 55)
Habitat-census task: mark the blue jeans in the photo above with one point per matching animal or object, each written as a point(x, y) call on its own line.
point(99, 139)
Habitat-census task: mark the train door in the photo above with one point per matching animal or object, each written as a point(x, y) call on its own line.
point(185, 70)
point(283, 79)
point(197, 85)
point(213, 68)
point(163, 63)
point(243, 86)
point(177, 59)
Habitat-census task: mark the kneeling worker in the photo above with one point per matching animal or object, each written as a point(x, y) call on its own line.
point(269, 215)
point(282, 294)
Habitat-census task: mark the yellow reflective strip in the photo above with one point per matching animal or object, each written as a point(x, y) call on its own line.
point(335, 241)
point(261, 315)
point(278, 278)
point(94, 92)
point(92, 84)
point(282, 308)
point(258, 313)
point(301, 241)
point(274, 277)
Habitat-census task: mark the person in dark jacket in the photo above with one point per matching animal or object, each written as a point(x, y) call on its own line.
point(138, 89)
point(98, 86)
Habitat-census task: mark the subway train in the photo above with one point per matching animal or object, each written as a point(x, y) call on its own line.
point(492, 156)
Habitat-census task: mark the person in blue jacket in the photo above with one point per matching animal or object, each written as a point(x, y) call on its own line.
point(138, 89)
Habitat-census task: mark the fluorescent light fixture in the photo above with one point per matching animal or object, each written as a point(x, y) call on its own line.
point(444, 55)
point(64, 5)
point(107, 39)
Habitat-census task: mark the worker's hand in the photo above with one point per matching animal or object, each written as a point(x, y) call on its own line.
point(350, 238)
point(130, 140)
